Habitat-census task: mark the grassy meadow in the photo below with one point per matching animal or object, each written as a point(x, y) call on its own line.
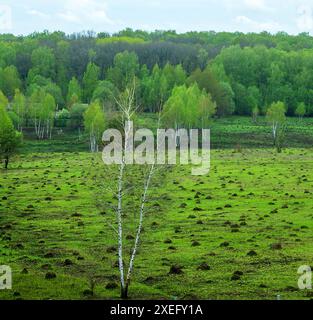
point(240, 232)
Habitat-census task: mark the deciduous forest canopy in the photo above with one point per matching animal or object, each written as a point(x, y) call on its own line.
point(240, 71)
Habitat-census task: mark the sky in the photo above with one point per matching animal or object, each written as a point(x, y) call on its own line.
point(25, 17)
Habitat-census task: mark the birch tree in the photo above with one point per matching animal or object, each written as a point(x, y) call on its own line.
point(255, 113)
point(19, 107)
point(94, 123)
point(188, 108)
point(126, 105)
point(42, 111)
point(48, 115)
point(276, 117)
point(124, 186)
point(74, 93)
point(301, 110)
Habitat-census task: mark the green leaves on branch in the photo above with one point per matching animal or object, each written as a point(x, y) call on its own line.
point(276, 117)
point(94, 122)
point(19, 108)
point(42, 110)
point(90, 81)
point(157, 87)
point(125, 69)
point(188, 108)
point(221, 92)
point(10, 81)
point(9, 137)
point(301, 110)
point(74, 94)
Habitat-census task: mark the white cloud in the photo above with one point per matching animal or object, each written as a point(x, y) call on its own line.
point(85, 11)
point(305, 19)
point(37, 13)
point(256, 4)
point(243, 5)
point(258, 26)
point(69, 16)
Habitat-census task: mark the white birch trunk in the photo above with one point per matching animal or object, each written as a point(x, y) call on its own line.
point(141, 216)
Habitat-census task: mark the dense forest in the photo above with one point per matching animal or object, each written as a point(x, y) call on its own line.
point(54, 76)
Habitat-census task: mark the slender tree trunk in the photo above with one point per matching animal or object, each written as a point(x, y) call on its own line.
point(120, 231)
point(124, 292)
point(124, 288)
point(274, 129)
point(6, 162)
point(139, 230)
point(36, 129)
point(127, 107)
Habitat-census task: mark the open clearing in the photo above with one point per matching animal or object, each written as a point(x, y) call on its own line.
point(240, 232)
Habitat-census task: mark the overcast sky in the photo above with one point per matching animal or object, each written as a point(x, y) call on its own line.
point(292, 16)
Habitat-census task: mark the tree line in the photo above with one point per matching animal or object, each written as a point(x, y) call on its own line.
point(240, 71)
point(53, 79)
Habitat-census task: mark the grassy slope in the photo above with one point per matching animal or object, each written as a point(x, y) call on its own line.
point(258, 198)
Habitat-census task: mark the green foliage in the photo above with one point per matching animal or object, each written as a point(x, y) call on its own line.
point(61, 118)
point(55, 91)
point(43, 64)
point(157, 87)
point(3, 100)
point(94, 123)
point(276, 117)
point(106, 94)
point(77, 115)
point(90, 81)
point(188, 108)
point(246, 99)
point(225, 100)
point(276, 112)
point(19, 107)
point(42, 109)
point(7, 54)
point(35, 103)
point(124, 70)
point(9, 81)
point(48, 86)
point(63, 60)
point(240, 71)
point(301, 110)
point(74, 93)
point(221, 92)
point(109, 40)
point(154, 89)
point(9, 137)
point(255, 113)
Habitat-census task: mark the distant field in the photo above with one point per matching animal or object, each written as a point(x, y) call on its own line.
point(240, 232)
point(226, 133)
point(243, 132)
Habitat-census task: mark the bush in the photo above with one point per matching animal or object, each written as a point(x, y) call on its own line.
point(62, 117)
point(77, 115)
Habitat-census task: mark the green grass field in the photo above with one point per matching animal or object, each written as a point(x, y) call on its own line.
point(241, 232)
point(226, 133)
